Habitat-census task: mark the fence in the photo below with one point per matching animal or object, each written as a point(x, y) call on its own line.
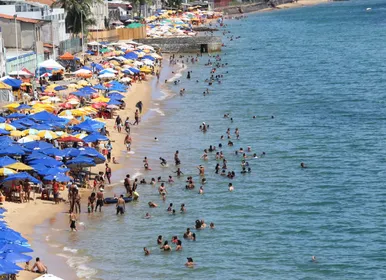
point(118, 34)
point(72, 45)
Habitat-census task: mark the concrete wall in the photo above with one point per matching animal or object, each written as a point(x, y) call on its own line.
point(29, 61)
point(8, 29)
point(99, 10)
point(27, 35)
point(185, 44)
point(248, 8)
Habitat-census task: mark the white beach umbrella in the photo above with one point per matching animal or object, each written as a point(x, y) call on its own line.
point(48, 277)
point(81, 71)
point(107, 76)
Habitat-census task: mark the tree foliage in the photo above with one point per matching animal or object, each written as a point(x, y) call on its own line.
point(77, 11)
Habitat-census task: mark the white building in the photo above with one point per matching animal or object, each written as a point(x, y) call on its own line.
point(100, 12)
point(52, 33)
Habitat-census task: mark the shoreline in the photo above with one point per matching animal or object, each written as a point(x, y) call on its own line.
point(46, 213)
point(234, 10)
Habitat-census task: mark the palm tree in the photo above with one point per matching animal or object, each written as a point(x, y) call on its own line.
point(77, 10)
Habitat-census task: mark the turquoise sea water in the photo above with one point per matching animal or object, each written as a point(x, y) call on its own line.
point(320, 71)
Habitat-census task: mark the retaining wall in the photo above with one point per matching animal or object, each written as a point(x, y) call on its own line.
point(185, 44)
point(248, 8)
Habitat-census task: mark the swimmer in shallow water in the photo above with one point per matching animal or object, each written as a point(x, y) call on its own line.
point(230, 187)
point(201, 190)
point(190, 262)
point(302, 165)
point(211, 225)
point(147, 216)
point(147, 252)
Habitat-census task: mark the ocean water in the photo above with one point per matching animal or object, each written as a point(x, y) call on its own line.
point(320, 72)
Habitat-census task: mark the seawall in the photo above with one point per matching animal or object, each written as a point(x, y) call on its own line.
point(248, 8)
point(185, 44)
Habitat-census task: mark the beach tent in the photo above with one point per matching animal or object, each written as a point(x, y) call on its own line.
point(50, 64)
point(67, 56)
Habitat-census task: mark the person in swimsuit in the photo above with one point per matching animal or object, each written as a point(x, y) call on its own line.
point(127, 185)
point(40, 267)
point(91, 201)
point(190, 262)
point(100, 198)
point(188, 233)
point(166, 246)
point(163, 161)
point(183, 209)
point(72, 221)
point(147, 252)
point(211, 225)
point(159, 240)
point(179, 245)
point(179, 172)
point(121, 205)
point(201, 170)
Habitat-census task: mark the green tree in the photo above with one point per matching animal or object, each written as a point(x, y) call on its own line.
point(77, 11)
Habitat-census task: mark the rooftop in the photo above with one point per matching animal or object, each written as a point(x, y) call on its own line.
point(22, 19)
point(46, 2)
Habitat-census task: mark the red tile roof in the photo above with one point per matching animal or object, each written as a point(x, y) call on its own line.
point(47, 2)
point(29, 20)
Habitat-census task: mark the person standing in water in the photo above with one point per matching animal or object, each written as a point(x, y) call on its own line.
point(136, 117)
point(176, 158)
point(72, 217)
point(121, 205)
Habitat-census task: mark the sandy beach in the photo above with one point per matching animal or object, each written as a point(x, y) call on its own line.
point(298, 4)
point(26, 216)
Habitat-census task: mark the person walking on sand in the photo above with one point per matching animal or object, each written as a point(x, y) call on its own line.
point(118, 123)
point(121, 205)
point(108, 173)
point(72, 221)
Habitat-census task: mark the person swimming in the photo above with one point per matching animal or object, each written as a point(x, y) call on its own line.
point(163, 161)
point(147, 216)
point(159, 239)
point(211, 225)
point(166, 246)
point(302, 165)
point(230, 187)
point(147, 252)
point(201, 190)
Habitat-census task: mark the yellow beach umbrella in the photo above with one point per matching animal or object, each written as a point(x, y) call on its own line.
point(28, 138)
point(74, 86)
point(16, 133)
point(52, 86)
point(7, 126)
point(81, 135)
point(19, 166)
point(101, 99)
point(145, 70)
point(61, 133)
point(30, 131)
point(83, 83)
point(12, 105)
point(6, 171)
point(47, 134)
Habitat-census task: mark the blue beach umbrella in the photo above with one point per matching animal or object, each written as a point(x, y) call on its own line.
point(11, 151)
point(6, 247)
point(60, 177)
point(42, 126)
point(93, 137)
point(71, 152)
point(81, 161)
point(11, 235)
point(19, 176)
point(116, 95)
point(24, 122)
point(14, 83)
point(7, 267)
point(2, 120)
point(44, 116)
point(49, 162)
point(6, 141)
point(41, 145)
point(54, 152)
point(18, 125)
point(100, 87)
point(4, 132)
point(4, 161)
point(81, 93)
point(16, 116)
point(59, 88)
point(36, 154)
point(14, 257)
point(114, 102)
point(23, 107)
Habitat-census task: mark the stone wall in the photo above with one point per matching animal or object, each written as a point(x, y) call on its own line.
point(185, 44)
point(248, 8)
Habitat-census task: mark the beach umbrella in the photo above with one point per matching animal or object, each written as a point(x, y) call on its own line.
point(70, 139)
point(4, 161)
point(59, 88)
point(11, 151)
point(31, 131)
point(81, 135)
point(60, 177)
point(47, 134)
point(71, 152)
point(19, 176)
point(45, 116)
point(54, 152)
point(49, 161)
point(14, 257)
point(6, 247)
point(6, 140)
point(2, 119)
point(100, 87)
point(39, 145)
point(29, 138)
point(15, 116)
point(81, 161)
point(19, 166)
point(23, 107)
point(24, 122)
point(6, 171)
point(116, 96)
point(42, 126)
point(7, 126)
point(7, 267)
point(4, 132)
point(37, 154)
point(16, 133)
point(93, 137)
point(18, 125)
